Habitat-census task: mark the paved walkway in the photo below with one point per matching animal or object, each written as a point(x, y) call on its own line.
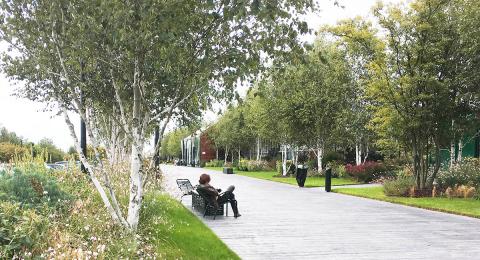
point(281, 221)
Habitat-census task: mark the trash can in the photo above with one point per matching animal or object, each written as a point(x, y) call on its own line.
point(301, 175)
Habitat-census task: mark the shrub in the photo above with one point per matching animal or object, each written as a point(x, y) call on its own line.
point(8, 151)
point(332, 156)
point(242, 165)
point(20, 230)
point(398, 187)
point(31, 189)
point(338, 169)
point(368, 171)
point(253, 165)
point(466, 173)
point(228, 165)
point(312, 164)
point(214, 163)
point(279, 167)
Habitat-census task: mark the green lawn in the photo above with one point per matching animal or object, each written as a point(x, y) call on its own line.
point(310, 182)
point(466, 207)
point(176, 233)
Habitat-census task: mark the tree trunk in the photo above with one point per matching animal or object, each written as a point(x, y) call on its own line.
point(460, 150)
point(116, 216)
point(358, 154)
point(226, 154)
point(216, 153)
point(136, 187)
point(452, 153)
point(239, 155)
point(258, 148)
point(365, 154)
point(319, 159)
point(284, 161)
point(136, 163)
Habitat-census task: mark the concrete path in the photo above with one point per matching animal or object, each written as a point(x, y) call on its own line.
point(281, 221)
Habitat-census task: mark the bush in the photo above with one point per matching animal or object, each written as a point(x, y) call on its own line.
point(8, 151)
point(312, 164)
point(368, 171)
point(214, 163)
point(242, 165)
point(332, 156)
point(466, 173)
point(399, 187)
point(338, 169)
point(253, 166)
point(20, 230)
point(31, 189)
point(279, 167)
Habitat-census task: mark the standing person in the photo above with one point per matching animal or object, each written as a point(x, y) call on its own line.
point(217, 198)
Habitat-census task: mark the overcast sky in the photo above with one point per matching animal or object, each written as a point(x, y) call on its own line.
point(27, 119)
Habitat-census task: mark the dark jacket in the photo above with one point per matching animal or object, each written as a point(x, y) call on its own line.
point(209, 192)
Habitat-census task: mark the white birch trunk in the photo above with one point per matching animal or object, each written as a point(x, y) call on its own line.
point(258, 148)
point(358, 158)
point(91, 171)
point(136, 162)
point(452, 153)
point(460, 150)
point(284, 161)
point(365, 155)
point(226, 154)
point(136, 187)
point(320, 159)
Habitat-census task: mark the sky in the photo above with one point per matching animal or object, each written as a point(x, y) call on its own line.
point(28, 120)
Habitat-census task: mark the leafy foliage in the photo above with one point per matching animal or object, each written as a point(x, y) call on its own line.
point(253, 165)
point(8, 151)
point(368, 171)
point(466, 173)
point(32, 190)
point(21, 230)
point(400, 186)
point(214, 163)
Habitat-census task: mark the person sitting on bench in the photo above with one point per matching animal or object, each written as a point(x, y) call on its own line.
point(216, 197)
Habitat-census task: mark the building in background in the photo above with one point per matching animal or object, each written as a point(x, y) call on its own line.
point(197, 149)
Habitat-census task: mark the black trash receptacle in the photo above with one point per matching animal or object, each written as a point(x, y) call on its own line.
point(301, 175)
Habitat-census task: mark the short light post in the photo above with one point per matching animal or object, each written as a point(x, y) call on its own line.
point(328, 179)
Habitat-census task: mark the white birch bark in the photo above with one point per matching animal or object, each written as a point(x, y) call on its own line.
point(239, 154)
point(460, 150)
point(258, 148)
point(226, 154)
point(90, 170)
point(284, 160)
point(358, 158)
point(320, 159)
point(452, 153)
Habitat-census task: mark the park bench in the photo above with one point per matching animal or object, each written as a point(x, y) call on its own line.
point(199, 199)
point(185, 187)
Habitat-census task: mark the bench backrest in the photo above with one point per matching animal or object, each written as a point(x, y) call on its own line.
point(208, 199)
point(185, 186)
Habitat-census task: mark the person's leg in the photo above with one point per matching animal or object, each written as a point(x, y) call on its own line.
point(230, 197)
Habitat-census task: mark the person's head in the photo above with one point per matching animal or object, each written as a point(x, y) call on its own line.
point(204, 179)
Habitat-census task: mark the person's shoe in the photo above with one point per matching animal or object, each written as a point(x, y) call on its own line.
point(238, 215)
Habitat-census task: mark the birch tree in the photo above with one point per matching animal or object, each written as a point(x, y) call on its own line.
point(142, 62)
